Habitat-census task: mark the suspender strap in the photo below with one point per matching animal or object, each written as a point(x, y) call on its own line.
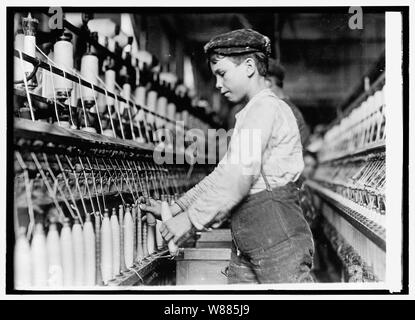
point(268, 186)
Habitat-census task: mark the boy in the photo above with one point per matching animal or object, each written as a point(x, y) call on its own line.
point(271, 240)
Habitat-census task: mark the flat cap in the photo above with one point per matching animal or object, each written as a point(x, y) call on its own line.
point(238, 42)
point(276, 70)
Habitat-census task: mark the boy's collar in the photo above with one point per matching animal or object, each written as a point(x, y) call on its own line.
point(255, 97)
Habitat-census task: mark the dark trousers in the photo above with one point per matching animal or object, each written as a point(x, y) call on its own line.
point(272, 242)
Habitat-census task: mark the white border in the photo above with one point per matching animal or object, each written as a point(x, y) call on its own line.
point(394, 145)
point(394, 159)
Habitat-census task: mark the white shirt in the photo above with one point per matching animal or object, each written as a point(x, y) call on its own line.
point(266, 135)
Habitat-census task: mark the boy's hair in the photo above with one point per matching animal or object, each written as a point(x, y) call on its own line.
point(260, 58)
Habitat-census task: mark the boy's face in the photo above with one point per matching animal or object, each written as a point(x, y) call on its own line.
point(231, 79)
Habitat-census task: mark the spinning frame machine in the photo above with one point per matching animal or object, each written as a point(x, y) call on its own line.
point(83, 162)
point(349, 186)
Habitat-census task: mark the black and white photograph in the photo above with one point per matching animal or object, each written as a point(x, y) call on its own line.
point(203, 149)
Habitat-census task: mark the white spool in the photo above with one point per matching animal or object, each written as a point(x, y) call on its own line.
point(106, 250)
point(89, 253)
point(152, 100)
point(39, 257)
point(89, 71)
point(22, 262)
point(126, 93)
point(140, 96)
point(159, 238)
point(74, 18)
point(63, 54)
point(55, 270)
point(101, 101)
point(128, 239)
point(29, 45)
point(171, 111)
point(161, 110)
point(67, 255)
point(18, 45)
point(115, 233)
point(78, 250)
point(151, 239)
point(110, 84)
point(105, 27)
point(144, 57)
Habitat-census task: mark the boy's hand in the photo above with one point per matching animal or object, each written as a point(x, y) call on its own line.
point(176, 227)
point(154, 207)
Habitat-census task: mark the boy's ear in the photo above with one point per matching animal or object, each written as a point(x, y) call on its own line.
point(250, 67)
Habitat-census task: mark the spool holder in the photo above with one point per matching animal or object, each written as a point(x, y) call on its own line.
point(73, 78)
point(39, 138)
